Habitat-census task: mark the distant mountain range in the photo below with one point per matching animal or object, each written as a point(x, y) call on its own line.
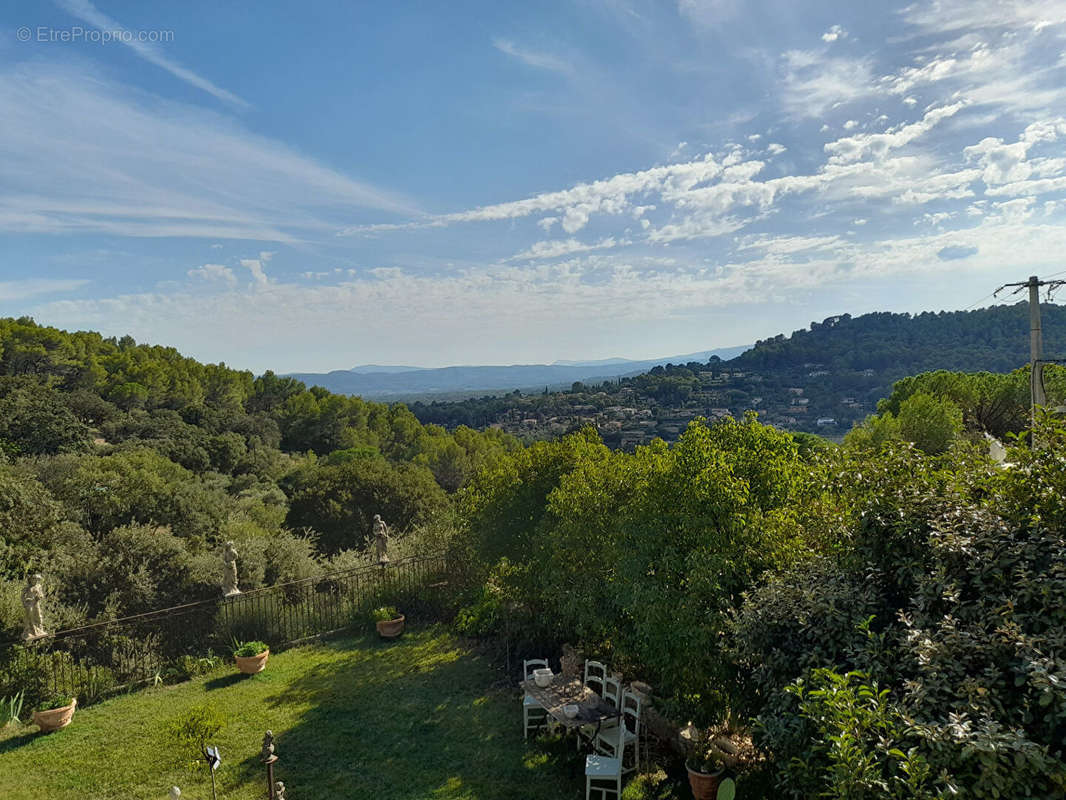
point(398, 382)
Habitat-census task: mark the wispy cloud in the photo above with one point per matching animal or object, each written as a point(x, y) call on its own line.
point(150, 52)
point(812, 83)
point(34, 287)
point(532, 58)
point(565, 247)
point(94, 157)
point(708, 13)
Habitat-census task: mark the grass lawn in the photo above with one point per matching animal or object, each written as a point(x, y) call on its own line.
point(352, 718)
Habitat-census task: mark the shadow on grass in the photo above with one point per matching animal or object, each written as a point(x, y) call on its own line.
point(225, 681)
point(411, 718)
point(19, 740)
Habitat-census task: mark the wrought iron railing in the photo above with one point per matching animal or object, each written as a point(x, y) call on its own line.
point(97, 660)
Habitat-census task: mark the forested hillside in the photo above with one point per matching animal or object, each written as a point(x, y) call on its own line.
point(823, 379)
point(995, 339)
point(123, 467)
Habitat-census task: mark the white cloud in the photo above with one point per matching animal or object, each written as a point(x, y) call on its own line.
point(558, 248)
point(575, 219)
point(214, 272)
point(834, 33)
point(609, 196)
point(255, 266)
point(1003, 163)
point(1009, 164)
point(877, 145)
point(151, 52)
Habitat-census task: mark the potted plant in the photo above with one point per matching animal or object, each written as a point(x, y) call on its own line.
point(716, 752)
point(389, 622)
point(54, 713)
point(251, 656)
point(704, 763)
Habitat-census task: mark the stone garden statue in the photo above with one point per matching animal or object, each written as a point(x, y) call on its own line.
point(32, 600)
point(229, 571)
point(279, 791)
point(381, 539)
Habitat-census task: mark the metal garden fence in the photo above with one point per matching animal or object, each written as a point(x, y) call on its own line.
point(97, 660)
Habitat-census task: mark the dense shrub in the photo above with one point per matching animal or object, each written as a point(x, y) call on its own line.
point(965, 588)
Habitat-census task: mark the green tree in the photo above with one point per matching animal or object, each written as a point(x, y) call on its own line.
point(931, 423)
point(35, 421)
point(338, 501)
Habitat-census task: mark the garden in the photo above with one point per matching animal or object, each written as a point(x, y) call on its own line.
point(415, 717)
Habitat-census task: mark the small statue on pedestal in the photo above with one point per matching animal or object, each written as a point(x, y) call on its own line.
point(381, 539)
point(32, 600)
point(229, 571)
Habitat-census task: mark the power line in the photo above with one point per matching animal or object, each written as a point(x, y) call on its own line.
point(974, 305)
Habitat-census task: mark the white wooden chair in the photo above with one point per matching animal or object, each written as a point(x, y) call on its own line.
point(534, 715)
point(595, 675)
point(612, 692)
point(603, 774)
point(612, 696)
point(630, 725)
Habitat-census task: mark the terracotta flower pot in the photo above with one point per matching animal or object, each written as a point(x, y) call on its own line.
point(391, 628)
point(54, 718)
point(250, 665)
point(704, 784)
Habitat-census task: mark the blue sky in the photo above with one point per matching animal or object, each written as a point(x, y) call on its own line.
point(317, 185)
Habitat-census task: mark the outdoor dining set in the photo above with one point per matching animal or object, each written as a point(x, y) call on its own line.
point(604, 715)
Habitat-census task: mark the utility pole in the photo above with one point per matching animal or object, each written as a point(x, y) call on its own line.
point(1037, 396)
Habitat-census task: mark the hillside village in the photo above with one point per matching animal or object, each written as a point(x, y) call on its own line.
point(822, 379)
point(663, 402)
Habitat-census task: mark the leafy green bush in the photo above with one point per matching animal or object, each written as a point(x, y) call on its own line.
point(187, 667)
point(194, 729)
point(482, 617)
point(861, 744)
point(958, 567)
point(648, 786)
